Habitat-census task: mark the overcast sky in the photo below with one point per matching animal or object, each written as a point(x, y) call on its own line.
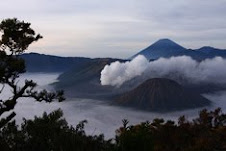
point(118, 28)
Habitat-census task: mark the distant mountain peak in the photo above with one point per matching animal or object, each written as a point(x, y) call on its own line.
point(211, 51)
point(165, 40)
point(161, 48)
point(166, 43)
point(207, 48)
point(166, 48)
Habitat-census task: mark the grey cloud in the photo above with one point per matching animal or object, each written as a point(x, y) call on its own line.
point(191, 22)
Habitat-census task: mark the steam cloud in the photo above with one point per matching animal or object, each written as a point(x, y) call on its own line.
point(181, 69)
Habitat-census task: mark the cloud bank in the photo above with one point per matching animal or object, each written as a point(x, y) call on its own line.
point(181, 69)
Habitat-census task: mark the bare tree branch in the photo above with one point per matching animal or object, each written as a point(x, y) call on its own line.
point(4, 121)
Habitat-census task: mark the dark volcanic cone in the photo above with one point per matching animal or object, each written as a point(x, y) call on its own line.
point(160, 94)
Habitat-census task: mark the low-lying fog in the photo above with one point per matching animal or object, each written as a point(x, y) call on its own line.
point(102, 118)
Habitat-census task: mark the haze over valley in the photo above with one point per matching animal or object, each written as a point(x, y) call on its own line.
point(102, 117)
point(96, 88)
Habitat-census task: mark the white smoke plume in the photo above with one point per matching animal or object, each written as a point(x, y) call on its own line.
point(182, 68)
point(117, 73)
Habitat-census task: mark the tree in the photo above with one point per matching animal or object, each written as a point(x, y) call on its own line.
point(16, 36)
point(50, 132)
point(134, 138)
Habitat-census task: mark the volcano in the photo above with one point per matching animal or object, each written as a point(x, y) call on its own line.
point(162, 48)
point(161, 94)
point(166, 48)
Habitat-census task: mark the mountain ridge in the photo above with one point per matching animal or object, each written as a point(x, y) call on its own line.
point(167, 48)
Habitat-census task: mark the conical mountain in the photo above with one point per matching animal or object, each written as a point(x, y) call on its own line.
point(163, 44)
point(161, 94)
point(163, 48)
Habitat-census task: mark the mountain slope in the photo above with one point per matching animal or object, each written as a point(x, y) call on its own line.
point(160, 94)
point(212, 52)
point(46, 63)
point(167, 48)
point(84, 81)
point(162, 48)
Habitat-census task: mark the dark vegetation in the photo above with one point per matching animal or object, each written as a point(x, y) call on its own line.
point(16, 36)
point(205, 133)
point(51, 131)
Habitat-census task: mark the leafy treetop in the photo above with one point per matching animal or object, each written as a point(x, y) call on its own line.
point(16, 36)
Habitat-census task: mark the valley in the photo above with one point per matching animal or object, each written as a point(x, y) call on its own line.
point(111, 80)
point(102, 117)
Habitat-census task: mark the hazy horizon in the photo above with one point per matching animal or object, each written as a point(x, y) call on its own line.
point(95, 28)
point(120, 57)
